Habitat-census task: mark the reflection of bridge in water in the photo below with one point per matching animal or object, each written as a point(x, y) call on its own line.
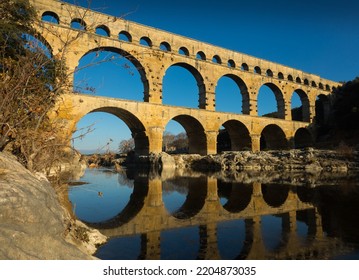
point(146, 215)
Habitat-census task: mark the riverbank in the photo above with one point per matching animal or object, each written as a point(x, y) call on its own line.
point(33, 224)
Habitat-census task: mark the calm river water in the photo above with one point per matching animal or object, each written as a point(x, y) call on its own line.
point(178, 216)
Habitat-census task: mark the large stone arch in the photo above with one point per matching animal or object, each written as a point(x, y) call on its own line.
point(280, 113)
point(199, 80)
point(273, 138)
point(235, 137)
point(243, 89)
point(197, 139)
point(126, 55)
point(303, 113)
point(303, 138)
point(136, 127)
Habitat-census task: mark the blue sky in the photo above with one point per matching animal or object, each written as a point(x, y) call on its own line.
point(320, 37)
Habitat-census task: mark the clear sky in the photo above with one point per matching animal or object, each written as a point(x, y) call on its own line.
point(319, 37)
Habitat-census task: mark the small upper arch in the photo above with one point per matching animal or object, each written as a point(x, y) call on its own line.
point(103, 30)
point(183, 51)
point(269, 73)
point(201, 55)
point(164, 46)
point(280, 76)
point(51, 17)
point(78, 23)
point(298, 80)
point(231, 63)
point(217, 59)
point(145, 41)
point(290, 78)
point(257, 70)
point(244, 67)
point(125, 36)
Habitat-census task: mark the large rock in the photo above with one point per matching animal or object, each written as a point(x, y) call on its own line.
point(32, 222)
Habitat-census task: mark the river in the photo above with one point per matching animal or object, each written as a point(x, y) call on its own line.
point(179, 216)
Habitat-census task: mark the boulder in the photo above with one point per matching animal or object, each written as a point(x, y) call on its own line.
point(33, 225)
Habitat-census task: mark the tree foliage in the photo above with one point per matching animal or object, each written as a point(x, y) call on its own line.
point(30, 82)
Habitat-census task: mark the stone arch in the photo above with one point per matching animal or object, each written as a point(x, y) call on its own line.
point(133, 60)
point(280, 113)
point(216, 59)
point(306, 82)
point(78, 23)
point(136, 127)
point(257, 70)
point(201, 55)
point(125, 36)
point(145, 41)
point(51, 17)
point(269, 73)
point(133, 207)
point(197, 140)
point(280, 76)
point(183, 51)
point(199, 80)
point(273, 138)
point(195, 199)
point(103, 30)
point(235, 137)
point(231, 63)
point(303, 112)
point(298, 80)
point(275, 195)
point(165, 46)
point(244, 67)
point(238, 195)
point(243, 89)
point(303, 138)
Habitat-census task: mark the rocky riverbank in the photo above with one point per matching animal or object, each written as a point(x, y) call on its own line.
point(33, 224)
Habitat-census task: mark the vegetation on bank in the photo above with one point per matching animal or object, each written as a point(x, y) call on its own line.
point(31, 80)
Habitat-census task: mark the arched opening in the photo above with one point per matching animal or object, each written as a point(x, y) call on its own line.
point(270, 101)
point(231, 63)
point(50, 17)
point(322, 109)
point(145, 41)
point(234, 136)
point(306, 82)
point(234, 197)
point(180, 199)
point(275, 195)
point(257, 70)
point(125, 36)
point(78, 23)
point(314, 84)
point(298, 80)
point(300, 106)
point(290, 78)
point(269, 73)
point(94, 136)
point(197, 143)
point(183, 86)
point(217, 59)
point(272, 232)
point(200, 55)
point(104, 196)
point(321, 86)
point(273, 138)
point(183, 51)
point(112, 73)
point(244, 67)
point(174, 139)
point(103, 30)
point(164, 46)
point(232, 95)
point(280, 76)
point(303, 138)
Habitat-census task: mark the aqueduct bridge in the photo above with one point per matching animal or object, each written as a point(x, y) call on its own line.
point(152, 52)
